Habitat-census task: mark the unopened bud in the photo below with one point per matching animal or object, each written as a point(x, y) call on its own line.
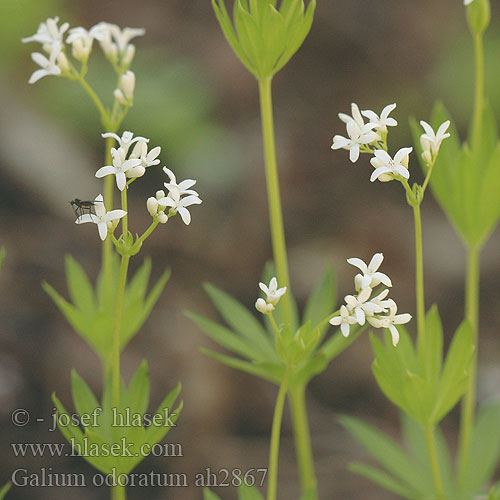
point(128, 84)
point(160, 194)
point(427, 156)
point(62, 61)
point(263, 307)
point(128, 56)
point(120, 97)
point(152, 206)
point(162, 218)
point(79, 50)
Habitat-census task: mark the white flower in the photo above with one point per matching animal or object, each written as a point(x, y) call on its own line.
point(384, 304)
point(101, 217)
point(183, 187)
point(383, 121)
point(387, 168)
point(389, 322)
point(361, 306)
point(48, 67)
point(116, 42)
point(50, 36)
point(371, 276)
point(467, 2)
point(273, 293)
point(344, 320)
point(431, 141)
point(119, 167)
point(179, 204)
point(148, 159)
point(81, 41)
point(263, 307)
point(126, 140)
point(359, 133)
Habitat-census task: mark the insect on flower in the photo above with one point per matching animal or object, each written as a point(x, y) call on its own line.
point(81, 207)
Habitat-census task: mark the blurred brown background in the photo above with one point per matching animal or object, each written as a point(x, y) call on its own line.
point(196, 100)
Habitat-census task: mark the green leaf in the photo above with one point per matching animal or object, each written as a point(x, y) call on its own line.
point(209, 495)
point(485, 449)
point(155, 433)
point(273, 372)
point(246, 492)
point(433, 348)
point(455, 372)
point(387, 453)
point(242, 321)
point(80, 289)
point(5, 490)
point(321, 302)
point(227, 338)
point(83, 397)
point(137, 395)
point(383, 479)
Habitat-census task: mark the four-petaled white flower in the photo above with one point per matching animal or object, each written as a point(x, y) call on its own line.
point(361, 306)
point(431, 141)
point(126, 140)
point(387, 168)
point(147, 158)
point(344, 320)
point(177, 204)
point(389, 322)
point(48, 67)
point(119, 167)
point(273, 293)
point(101, 217)
point(383, 121)
point(359, 133)
point(371, 277)
point(183, 187)
point(50, 36)
point(81, 41)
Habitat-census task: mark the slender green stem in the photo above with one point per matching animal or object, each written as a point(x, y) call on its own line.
point(303, 447)
point(272, 485)
point(428, 176)
point(107, 247)
point(148, 231)
point(118, 493)
point(479, 89)
point(274, 324)
point(125, 208)
point(274, 198)
point(433, 459)
point(469, 400)
point(419, 280)
point(99, 105)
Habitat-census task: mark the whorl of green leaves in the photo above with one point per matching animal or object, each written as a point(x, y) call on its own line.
point(264, 36)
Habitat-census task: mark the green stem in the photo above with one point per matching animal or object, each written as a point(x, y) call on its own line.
point(107, 247)
point(274, 198)
point(125, 208)
point(100, 107)
point(419, 280)
point(148, 231)
point(433, 458)
point(469, 400)
point(303, 448)
point(479, 90)
point(118, 493)
point(272, 486)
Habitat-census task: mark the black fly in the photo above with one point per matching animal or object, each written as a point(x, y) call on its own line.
point(81, 207)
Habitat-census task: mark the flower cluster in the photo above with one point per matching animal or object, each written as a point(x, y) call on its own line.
point(130, 161)
point(114, 42)
point(273, 296)
point(179, 197)
point(371, 137)
point(379, 311)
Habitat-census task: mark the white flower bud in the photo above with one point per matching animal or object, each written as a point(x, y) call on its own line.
point(128, 55)
point(120, 97)
point(138, 171)
point(128, 84)
point(62, 61)
point(152, 205)
point(160, 194)
point(427, 156)
point(47, 47)
point(162, 218)
point(79, 50)
point(263, 307)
